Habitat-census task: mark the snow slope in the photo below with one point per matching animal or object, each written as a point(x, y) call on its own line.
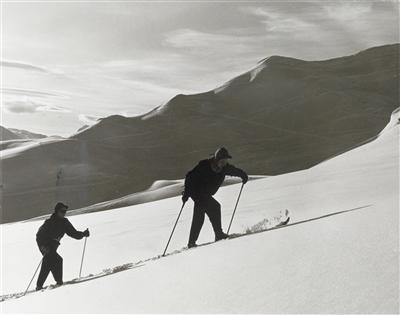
point(6, 134)
point(13, 134)
point(13, 148)
point(344, 263)
point(24, 134)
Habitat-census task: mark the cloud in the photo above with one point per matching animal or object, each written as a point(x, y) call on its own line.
point(150, 81)
point(29, 106)
point(218, 56)
point(211, 42)
point(347, 12)
point(276, 21)
point(48, 108)
point(23, 66)
point(327, 22)
point(20, 107)
point(322, 30)
point(88, 120)
point(162, 74)
point(305, 30)
point(24, 92)
point(189, 38)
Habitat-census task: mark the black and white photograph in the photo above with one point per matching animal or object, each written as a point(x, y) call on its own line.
point(199, 156)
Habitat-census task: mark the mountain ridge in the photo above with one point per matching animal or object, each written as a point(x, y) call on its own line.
point(284, 120)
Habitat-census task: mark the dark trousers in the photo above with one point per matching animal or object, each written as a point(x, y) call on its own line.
point(205, 205)
point(53, 262)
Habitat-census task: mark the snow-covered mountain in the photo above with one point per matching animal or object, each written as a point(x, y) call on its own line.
point(24, 134)
point(13, 134)
point(7, 134)
point(327, 261)
point(282, 116)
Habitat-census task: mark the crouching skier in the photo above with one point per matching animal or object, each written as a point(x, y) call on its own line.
point(201, 183)
point(48, 239)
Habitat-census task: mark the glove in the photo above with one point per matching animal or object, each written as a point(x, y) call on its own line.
point(245, 179)
point(44, 250)
point(185, 197)
point(86, 233)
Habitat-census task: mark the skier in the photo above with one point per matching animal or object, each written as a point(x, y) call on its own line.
point(48, 239)
point(201, 183)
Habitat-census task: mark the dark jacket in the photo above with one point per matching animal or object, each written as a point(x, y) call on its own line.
point(53, 229)
point(203, 181)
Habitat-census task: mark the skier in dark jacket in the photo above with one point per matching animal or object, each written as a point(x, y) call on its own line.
point(201, 184)
point(48, 239)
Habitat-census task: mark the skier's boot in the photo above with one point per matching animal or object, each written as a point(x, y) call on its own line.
point(59, 283)
point(39, 288)
point(192, 245)
point(220, 236)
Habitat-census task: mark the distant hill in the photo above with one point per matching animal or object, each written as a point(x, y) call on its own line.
point(7, 134)
point(13, 134)
point(23, 134)
point(282, 116)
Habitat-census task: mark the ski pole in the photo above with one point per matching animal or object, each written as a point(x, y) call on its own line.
point(33, 276)
point(83, 255)
point(233, 214)
point(165, 250)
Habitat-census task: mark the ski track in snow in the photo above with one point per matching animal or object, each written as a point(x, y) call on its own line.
point(140, 263)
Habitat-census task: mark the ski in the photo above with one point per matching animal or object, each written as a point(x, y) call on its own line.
point(282, 224)
point(282, 221)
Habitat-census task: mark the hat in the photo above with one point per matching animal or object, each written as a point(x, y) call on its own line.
point(60, 206)
point(222, 153)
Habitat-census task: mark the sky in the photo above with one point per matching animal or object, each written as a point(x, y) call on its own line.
point(64, 64)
